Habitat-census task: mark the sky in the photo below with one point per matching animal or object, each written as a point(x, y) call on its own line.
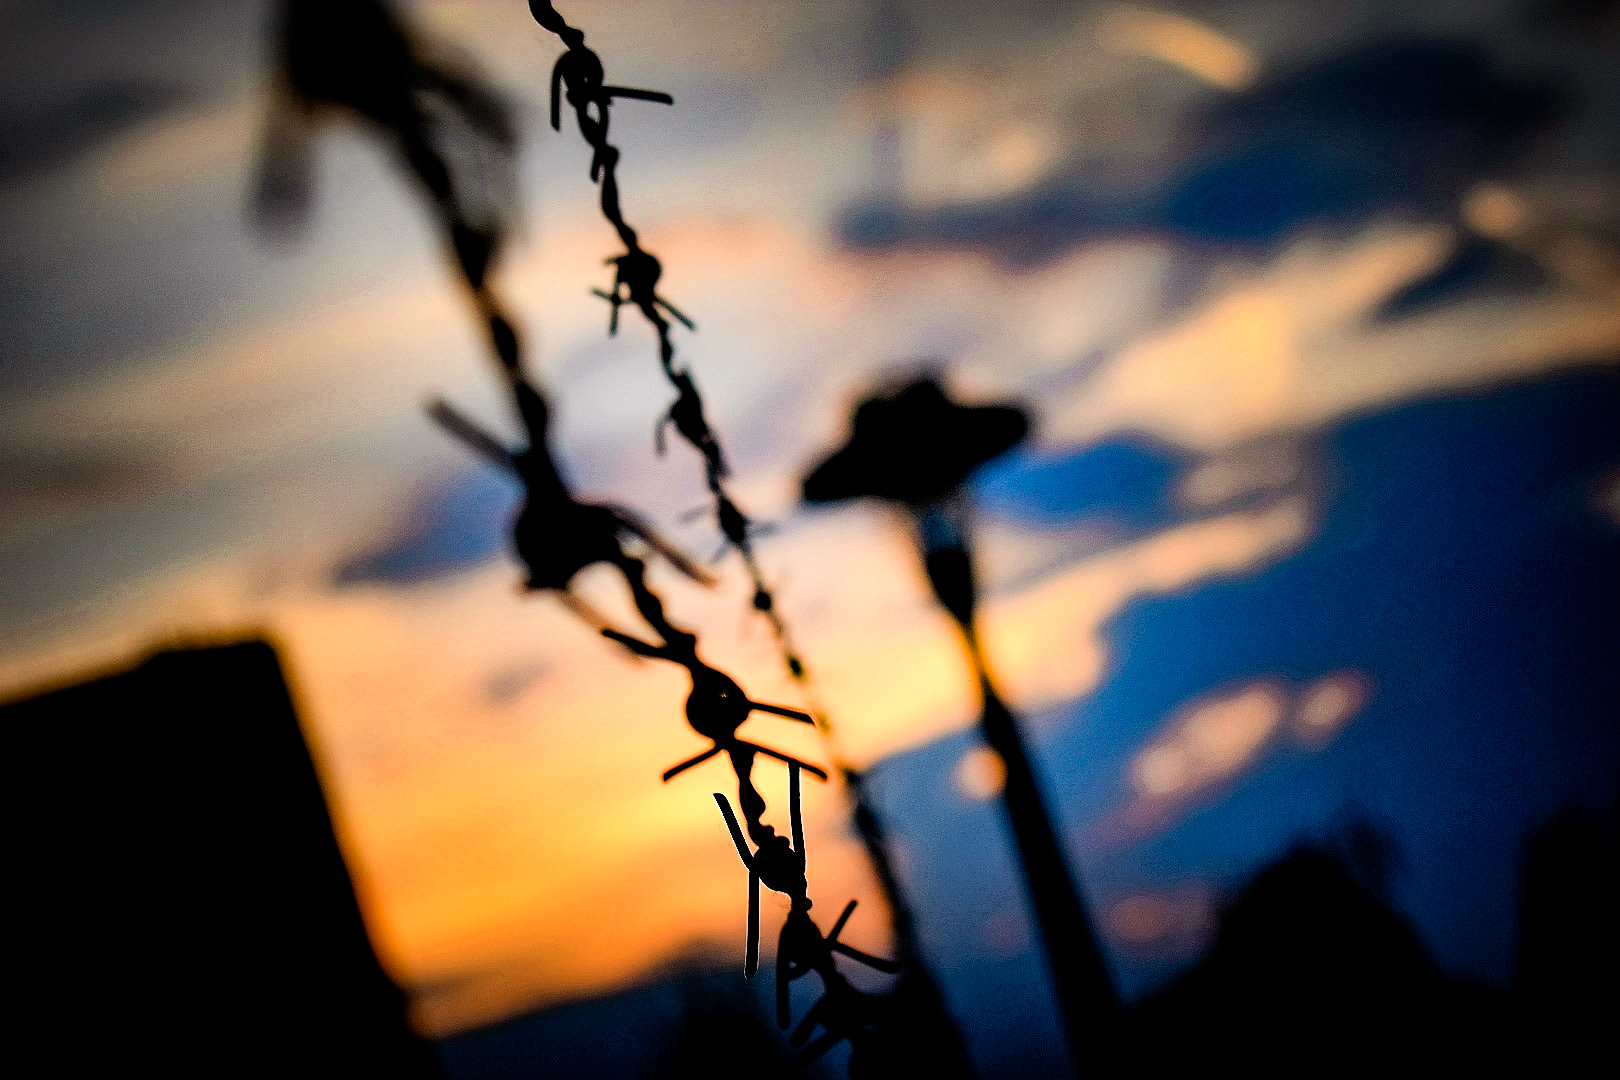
point(1317, 308)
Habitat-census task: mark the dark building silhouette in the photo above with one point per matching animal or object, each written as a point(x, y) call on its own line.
point(182, 904)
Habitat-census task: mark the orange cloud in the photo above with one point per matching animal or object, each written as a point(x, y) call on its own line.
point(1295, 345)
point(1328, 704)
point(1211, 743)
point(1179, 41)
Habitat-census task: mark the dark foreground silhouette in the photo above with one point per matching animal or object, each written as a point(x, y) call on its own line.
point(179, 898)
point(1313, 971)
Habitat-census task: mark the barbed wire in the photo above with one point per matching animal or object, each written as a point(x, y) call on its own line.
point(579, 79)
point(455, 137)
point(354, 56)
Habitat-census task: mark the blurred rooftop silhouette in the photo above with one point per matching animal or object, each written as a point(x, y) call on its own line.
point(184, 896)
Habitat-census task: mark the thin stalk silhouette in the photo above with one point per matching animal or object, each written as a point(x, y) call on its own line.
point(916, 447)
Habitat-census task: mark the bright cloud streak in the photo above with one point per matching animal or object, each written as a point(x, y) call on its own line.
point(1295, 344)
point(1210, 744)
point(1179, 41)
point(1328, 704)
point(1213, 740)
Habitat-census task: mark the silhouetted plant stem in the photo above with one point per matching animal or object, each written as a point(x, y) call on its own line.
point(916, 447)
point(1087, 1002)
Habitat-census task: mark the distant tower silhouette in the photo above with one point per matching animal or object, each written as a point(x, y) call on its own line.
point(916, 447)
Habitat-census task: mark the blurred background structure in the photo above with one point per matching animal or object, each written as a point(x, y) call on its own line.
point(180, 892)
point(1307, 583)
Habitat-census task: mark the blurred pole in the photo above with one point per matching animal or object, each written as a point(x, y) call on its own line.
point(1087, 1002)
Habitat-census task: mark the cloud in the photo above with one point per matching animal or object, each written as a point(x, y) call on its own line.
point(458, 525)
point(1045, 644)
point(1213, 740)
point(1209, 744)
point(185, 151)
point(1191, 46)
point(1328, 704)
point(1294, 344)
point(1397, 125)
point(1258, 468)
point(49, 135)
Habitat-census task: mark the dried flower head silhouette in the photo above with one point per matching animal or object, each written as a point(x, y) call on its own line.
point(916, 447)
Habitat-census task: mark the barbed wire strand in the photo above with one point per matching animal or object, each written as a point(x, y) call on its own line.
point(578, 78)
point(452, 134)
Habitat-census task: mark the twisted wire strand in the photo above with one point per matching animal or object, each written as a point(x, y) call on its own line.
point(579, 79)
